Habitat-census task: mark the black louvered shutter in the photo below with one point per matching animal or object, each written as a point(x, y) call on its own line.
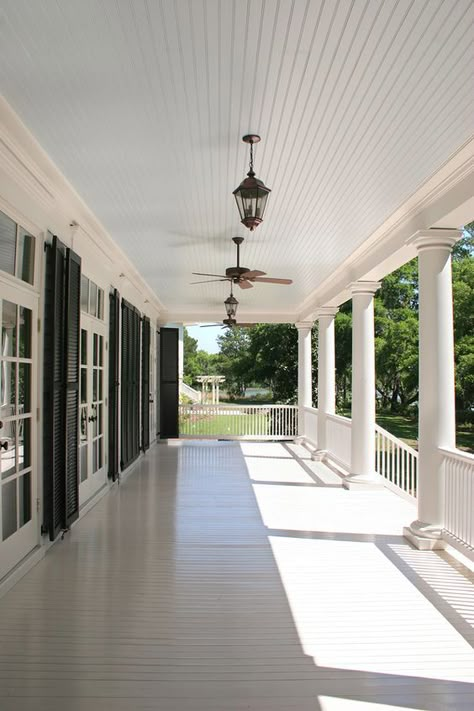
point(114, 328)
point(72, 348)
point(146, 383)
point(169, 383)
point(61, 387)
point(53, 430)
point(130, 385)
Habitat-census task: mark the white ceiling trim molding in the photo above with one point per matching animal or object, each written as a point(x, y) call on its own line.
point(386, 249)
point(28, 165)
point(194, 317)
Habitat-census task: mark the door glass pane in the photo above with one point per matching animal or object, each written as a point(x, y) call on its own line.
point(7, 456)
point(94, 421)
point(94, 456)
point(24, 443)
point(100, 311)
point(94, 385)
point(26, 256)
point(95, 360)
point(100, 422)
point(83, 424)
point(84, 293)
point(24, 388)
point(25, 332)
point(9, 315)
point(83, 384)
point(83, 347)
point(93, 299)
point(101, 351)
point(101, 453)
point(83, 462)
point(101, 378)
point(7, 389)
point(24, 497)
point(7, 244)
point(8, 509)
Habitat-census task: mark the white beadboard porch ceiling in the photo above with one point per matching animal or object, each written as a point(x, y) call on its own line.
point(142, 105)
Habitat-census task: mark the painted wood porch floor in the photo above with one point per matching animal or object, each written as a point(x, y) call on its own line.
point(224, 577)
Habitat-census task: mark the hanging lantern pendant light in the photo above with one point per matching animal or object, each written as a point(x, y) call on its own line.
point(231, 304)
point(251, 195)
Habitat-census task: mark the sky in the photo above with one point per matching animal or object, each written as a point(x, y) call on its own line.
point(206, 337)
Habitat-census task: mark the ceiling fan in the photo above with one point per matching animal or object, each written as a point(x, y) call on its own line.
point(229, 323)
point(242, 276)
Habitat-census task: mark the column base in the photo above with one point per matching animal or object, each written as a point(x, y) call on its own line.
point(363, 482)
point(425, 536)
point(319, 455)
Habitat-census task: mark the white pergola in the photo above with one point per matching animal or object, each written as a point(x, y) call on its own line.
point(213, 382)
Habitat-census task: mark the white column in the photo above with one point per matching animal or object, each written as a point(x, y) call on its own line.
point(436, 407)
point(326, 374)
point(363, 386)
point(305, 375)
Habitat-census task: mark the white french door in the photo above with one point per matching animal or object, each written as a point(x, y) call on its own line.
point(19, 532)
point(93, 405)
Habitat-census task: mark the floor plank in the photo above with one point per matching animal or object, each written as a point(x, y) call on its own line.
point(229, 576)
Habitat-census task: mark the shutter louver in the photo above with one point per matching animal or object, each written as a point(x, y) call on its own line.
point(61, 388)
point(72, 330)
point(130, 385)
point(169, 383)
point(114, 384)
point(146, 383)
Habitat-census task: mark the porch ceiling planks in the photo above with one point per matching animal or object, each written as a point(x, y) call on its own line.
point(142, 106)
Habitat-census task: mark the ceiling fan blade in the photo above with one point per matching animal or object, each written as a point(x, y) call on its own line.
point(221, 276)
point(269, 280)
point(207, 281)
point(245, 284)
point(252, 274)
point(244, 325)
point(209, 325)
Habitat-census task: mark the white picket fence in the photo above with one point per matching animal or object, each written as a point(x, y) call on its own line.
point(276, 422)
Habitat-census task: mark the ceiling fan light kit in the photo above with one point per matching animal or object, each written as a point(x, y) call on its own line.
point(251, 195)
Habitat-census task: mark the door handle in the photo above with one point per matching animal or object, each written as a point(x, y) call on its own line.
point(92, 418)
point(4, 445)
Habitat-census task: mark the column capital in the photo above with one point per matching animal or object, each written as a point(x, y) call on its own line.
point(304, 325)
point(326, 312)
point(364, 287)
point(435, 239)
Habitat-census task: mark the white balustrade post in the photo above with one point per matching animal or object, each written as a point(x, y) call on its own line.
point(436, 406)
point(363, 386)
point(305, 375)
point(326, 375)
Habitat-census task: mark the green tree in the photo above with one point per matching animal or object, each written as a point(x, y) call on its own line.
point(234, 360)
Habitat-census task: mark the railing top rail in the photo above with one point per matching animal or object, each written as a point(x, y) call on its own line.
point(399, 442)
point(458, 454)
point(340, 419)
point(231, 406)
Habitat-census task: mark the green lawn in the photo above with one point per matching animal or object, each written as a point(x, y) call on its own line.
point(225, 425)
point(406, 428)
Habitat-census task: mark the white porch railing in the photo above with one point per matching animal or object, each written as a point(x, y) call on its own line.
point(311, 425)
point(338, 435)
point(396, 462)
point(238, 421)
point(459, 495)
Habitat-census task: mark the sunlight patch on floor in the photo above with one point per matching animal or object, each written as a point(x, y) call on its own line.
point(338, 592)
